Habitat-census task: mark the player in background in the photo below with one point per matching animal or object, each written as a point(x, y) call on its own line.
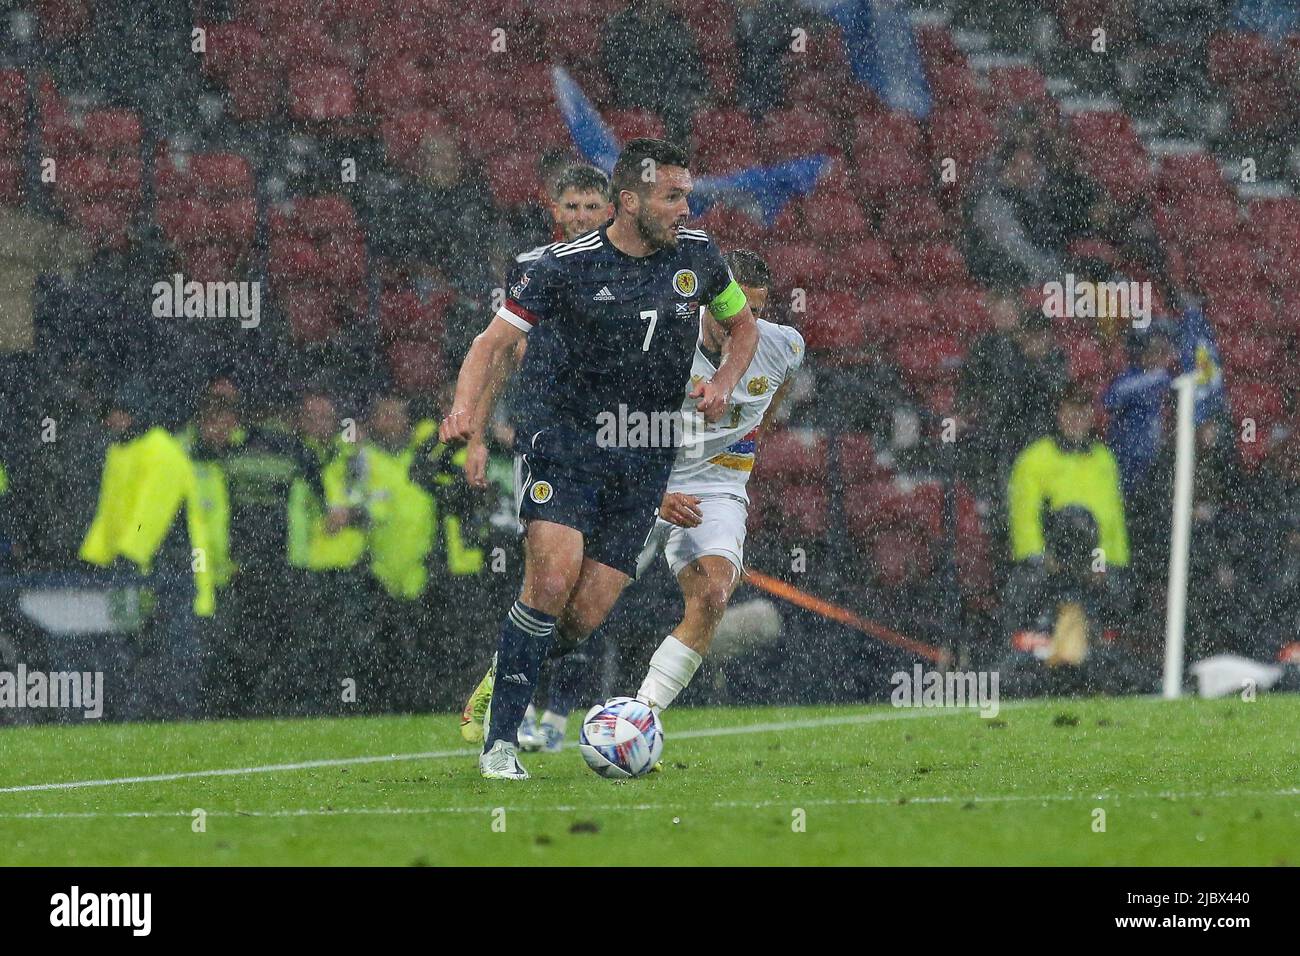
point(701, 525)
point(580, 204)
point(702, 516)
point(623, 306)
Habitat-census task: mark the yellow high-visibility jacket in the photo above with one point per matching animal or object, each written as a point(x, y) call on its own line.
point(401, 523)
point(311, 545)
point(145, 482)
point(1044, 473)
point(462, 557)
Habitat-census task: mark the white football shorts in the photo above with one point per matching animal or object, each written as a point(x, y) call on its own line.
point(721, 532)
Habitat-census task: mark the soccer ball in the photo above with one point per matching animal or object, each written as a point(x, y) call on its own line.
point(621, 738)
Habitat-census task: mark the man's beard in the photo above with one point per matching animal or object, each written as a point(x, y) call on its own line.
point(655, 236)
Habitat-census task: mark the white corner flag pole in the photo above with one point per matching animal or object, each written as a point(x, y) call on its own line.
point(1181, 539)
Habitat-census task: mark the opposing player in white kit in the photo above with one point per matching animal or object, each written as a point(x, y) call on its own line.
point(701, 527)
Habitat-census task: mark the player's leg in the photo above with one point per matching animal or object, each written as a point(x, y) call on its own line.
point(598, 589)
point(707, 560)
point(552, 564)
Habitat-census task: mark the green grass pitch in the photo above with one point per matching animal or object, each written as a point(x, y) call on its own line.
point(1187, 782)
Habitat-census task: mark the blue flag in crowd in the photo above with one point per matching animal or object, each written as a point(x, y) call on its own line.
point(1200, 355)
point(882, 50)
point(766, 189)
point(593, 138)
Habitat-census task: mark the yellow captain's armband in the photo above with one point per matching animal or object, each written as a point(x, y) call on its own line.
point(728, 303)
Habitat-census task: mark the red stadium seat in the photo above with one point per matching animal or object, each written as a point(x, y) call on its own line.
point(416, 366)
point(630, 124)
point(804, 511)
point(233, 49)
point(1194, 219)
point(884, 174)
point(403, 133)
point(1011, 86)
point(911, 219)
point(887, 132)
point(871, 507)
point(930, 358)
point(61, 20)
point(512, 177)
point(936, 45)
point(403, 314)
point(867, 262)
point(857, 457)
point(1197, 173)
point(792, 456)
point(794, 132)
point(964, 135)
point(834, 218)
point(834, 327)
point(221, 175)
point(798, 265)
point(1260, 106)
point(731, 228)
point(313, 316)
point(394, 86)
point(931, 264)
point(104, 225)
point(723, 140)
point(257, 95)
point(1241, 309)
point(294, 261)
point(1247, 354)
point(574, 38)
point(1239, 53)
point(306, 44)
point(889, 313)
point(953, 86)
point(960, 310)
point(1215, 265)
point(111, 132)
point(321, 94)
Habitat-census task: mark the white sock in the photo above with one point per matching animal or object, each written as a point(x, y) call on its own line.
point(555, 720)
point(671, 669)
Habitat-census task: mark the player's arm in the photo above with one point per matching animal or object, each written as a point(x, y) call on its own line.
point(778, 399)
point(737, 321)
point(504, 365)
point(480, 380)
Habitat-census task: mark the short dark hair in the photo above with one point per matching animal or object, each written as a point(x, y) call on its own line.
point(748, 268)
point(627, 171)
point(583, 178)
point(1075, 393)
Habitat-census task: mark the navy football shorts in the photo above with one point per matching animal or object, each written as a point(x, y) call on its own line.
point(615, 507)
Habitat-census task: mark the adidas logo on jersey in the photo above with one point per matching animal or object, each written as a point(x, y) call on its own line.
point(604, 295)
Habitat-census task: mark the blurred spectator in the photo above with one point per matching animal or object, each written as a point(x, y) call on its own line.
point(441, 224)
point(1012, 233)
point(1068, 467)
point(1138, 403)
point(653, 64)
point(1009, 388)
point(763, 38)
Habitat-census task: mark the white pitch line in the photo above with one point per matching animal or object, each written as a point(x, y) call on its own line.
point(443, 754)
point(642, 807)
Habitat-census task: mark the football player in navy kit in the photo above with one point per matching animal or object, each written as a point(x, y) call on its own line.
point(622, 306)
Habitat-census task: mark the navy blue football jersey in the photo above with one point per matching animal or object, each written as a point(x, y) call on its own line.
point(618, 332)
